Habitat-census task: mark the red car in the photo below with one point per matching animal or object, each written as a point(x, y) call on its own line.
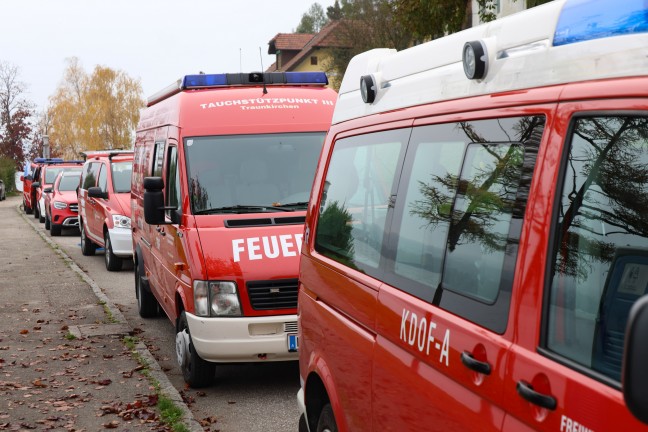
point(45, 176)
point(61, 205)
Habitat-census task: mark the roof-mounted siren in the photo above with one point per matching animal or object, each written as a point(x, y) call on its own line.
point(370, 87)
point(476, 58)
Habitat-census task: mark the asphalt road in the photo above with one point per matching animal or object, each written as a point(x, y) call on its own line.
point(246, 397)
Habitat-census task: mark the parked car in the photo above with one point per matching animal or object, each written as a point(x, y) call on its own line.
point(475, 255)
point(61, 205)
point(3, 191)
point(104, 205)
point(45, 176)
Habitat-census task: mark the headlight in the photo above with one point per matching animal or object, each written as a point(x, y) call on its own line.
point(217, 298)
point(60, 205)
point(120, 221)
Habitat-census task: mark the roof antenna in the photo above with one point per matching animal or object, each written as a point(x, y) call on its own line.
point(265, 90)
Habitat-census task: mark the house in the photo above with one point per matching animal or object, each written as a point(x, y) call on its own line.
point(302, 52)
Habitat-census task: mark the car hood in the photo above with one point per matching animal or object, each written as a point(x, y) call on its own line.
point(122, 203)
point(69, 197)
point(262, 252)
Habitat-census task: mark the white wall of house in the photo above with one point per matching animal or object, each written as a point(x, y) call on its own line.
point(503, 8)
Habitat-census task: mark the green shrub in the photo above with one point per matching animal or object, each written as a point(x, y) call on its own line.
point(8, 173)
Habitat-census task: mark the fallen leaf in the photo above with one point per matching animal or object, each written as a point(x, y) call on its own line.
point(24, 331)
point(111, 425)
point(39, 383)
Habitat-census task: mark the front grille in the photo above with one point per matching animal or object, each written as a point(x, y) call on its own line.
point(273, 294)
point(290, 327)
point(74, 208)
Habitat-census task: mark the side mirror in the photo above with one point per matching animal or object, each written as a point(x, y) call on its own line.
point(96, 192)
point(154, 201)
point(47, 190)
point(635, 359)
point(35, 185)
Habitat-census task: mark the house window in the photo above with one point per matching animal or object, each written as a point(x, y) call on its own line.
point(314, 60)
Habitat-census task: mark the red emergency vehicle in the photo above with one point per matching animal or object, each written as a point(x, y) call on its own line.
point(61, 204)
point(28, 178)
point(221, 178)
point(476, 236)
point(45, 176)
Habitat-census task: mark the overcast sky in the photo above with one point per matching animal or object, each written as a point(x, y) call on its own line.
point(156, 41)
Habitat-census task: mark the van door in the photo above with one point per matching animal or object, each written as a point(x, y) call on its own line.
point(157, 236)
point(349, 241)
point(566, 375)
point(444, 309)
point(172, 257)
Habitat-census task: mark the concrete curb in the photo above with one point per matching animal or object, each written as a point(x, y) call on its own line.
point(166, 388)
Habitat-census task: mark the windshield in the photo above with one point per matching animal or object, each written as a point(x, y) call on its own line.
point(251, 173)
point(69, 182)
point(121, 176)
point(52, 172)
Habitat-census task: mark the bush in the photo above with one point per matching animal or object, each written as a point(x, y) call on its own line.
point(8, 174)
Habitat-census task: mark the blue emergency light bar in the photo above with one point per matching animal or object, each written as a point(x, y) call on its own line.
point(582, 21)
point(202, 81)
point(47, 160)
point(254, 78)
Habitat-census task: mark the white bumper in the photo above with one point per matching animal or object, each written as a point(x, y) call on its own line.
point(121, 240)
point(243, 339)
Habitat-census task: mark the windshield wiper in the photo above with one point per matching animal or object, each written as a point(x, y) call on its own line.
point(294, 204)
point(241, 209)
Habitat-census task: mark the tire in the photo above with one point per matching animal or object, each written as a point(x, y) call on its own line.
point(196, 372)
point(41, 218)
point(87, 247)
point(326, 421)
point(36, 211)
point(47, 222)
point(113, 262)
point(147, 304)
point(27, 209)
point(55, 230)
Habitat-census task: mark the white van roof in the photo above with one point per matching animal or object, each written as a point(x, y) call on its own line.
point(559, 42)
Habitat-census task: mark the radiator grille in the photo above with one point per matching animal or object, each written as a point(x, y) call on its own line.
point(74, 207)
point(273, 294)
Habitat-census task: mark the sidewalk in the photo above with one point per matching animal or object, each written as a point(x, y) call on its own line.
point(63, 361)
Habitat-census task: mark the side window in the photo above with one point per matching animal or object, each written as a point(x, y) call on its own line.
point(457, 220)
point(172, 180)
point(103, 178)
point(356, 197)
point(158, 159)
point(90, 173)
point(600, 254)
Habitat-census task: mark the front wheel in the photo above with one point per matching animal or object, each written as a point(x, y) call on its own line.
point(147, 304)
point(113, 262)
point(195, 371)
point(47, 222)
point(55, 230)
point(87, 247)
point(326, 421)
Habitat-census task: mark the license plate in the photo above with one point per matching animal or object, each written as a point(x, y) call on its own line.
point(293, 342)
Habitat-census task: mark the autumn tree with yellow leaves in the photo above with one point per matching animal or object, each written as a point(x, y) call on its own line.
point(93, 112)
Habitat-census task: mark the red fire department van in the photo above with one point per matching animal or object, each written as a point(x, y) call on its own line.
point(477, 232)
point(221, 178)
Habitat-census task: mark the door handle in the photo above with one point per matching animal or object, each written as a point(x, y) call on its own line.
point(525, 390)
point(160, 230)
point(471, 363)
